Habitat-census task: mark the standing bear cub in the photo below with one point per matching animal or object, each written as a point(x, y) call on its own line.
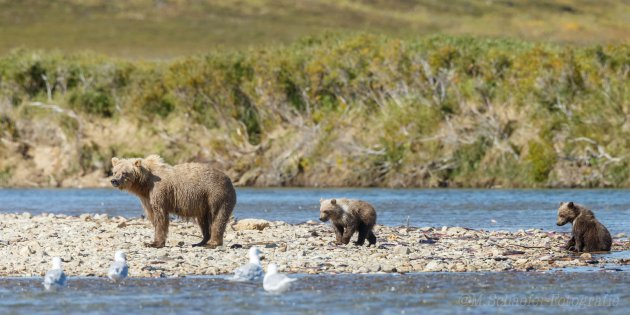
point(589, 235)
point(348, 216)
point(190, 190)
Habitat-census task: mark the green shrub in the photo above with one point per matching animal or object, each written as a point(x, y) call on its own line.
point(468, 157)
point(459, 110)
point(5, 175)
point(541, 157)
point(98, 102)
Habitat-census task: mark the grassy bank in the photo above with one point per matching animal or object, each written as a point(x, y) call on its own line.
point(328, 111)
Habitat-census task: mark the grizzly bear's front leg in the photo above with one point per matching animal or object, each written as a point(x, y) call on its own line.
point(218, 222)
point(570, 244)
point(338, 228)
point(160, 224)
point(579, 244)
point(347, 234)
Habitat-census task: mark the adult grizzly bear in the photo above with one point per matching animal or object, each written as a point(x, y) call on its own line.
point(348, 216)
point(190, 190)
point(589, 235)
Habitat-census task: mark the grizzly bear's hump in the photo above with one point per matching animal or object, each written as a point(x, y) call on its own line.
point(203, 180)
point(201, 173)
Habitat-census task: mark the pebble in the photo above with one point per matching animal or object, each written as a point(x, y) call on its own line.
point(433, 265)
point(26, 251)
point(586, 256)
point(251, 224)
point(402, 250)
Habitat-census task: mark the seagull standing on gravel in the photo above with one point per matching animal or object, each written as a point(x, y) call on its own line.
point(119, 269)
point(252, 271)
point(276, 282)
point(55, 277)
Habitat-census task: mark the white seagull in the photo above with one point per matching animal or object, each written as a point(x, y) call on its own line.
point(251, 271)
point(276, 282)
point(119, 269)
point(55, 277)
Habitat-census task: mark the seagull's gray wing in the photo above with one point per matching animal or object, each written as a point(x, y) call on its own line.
point(55, 277)
point(118, 270)
point(248, 272)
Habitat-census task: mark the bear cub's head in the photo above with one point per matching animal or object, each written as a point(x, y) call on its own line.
point(126, 172)
point(329, 209)
point(567, 212)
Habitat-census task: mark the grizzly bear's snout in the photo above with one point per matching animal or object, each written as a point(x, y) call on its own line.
point(115, 182)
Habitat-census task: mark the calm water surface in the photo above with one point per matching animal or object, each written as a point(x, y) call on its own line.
point(474, 208)
point(435, 293)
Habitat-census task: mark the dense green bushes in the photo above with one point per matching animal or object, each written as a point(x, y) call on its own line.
point(453, 111)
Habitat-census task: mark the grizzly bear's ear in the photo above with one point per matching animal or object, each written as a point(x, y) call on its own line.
point(561, 203)
point(571, 205)
point(138, 163)
point(333, 201)
point(321, 199)
point(115, 161)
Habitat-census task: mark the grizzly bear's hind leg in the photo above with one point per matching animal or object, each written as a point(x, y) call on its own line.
point(363, 232)
point(204, 225)
point(371, 238)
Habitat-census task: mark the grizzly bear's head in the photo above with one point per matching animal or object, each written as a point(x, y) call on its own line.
point(329, 209)
point(126, 172)
point(567, 212)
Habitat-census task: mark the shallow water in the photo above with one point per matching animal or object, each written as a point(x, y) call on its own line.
point(439, 293)
point(473, 208)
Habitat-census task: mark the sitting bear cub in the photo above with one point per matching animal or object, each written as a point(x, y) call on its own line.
point(589, 235)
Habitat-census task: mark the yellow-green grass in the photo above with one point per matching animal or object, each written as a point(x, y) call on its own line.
point(163, 28)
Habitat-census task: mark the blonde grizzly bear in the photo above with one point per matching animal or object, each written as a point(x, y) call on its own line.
point(348, 216)
point(190, 190)
point(589, 235)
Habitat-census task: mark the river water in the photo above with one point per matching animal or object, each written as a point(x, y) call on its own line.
point(593, 290)
point(433, 293)
point(473, 208)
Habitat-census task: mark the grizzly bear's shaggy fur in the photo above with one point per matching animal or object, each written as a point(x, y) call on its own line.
point(589, 235)
point(191, 190)
point(348, 216)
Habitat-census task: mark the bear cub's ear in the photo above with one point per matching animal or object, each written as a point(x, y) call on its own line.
point(333, 201)
point(571, 205)
point(138, 163)
point(115, 161)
